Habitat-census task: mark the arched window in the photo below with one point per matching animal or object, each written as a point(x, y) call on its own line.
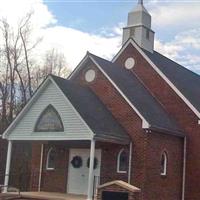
point(122, 161)
point(51, 159)
point(164, 163)
point(49, 121)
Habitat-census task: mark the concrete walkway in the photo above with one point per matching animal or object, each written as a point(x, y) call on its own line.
point(44, 196)
point(52, 196)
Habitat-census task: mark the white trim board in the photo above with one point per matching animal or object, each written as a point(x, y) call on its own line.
point(145, 123)
point(27, 106)
point(130, 41)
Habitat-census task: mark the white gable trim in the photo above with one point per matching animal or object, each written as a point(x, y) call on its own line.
point(145, 124)
point(130, 41)
point(27, 106)
point(31, 101)
point(78, 67)
point(83, 121)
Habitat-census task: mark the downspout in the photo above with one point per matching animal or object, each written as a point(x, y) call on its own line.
point(41, 167)
point(184, 166)
point(130, 162)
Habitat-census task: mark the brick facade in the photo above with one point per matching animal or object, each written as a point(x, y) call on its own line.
point(147, 146)
point(146, 154)
point(59, 174)
point(125, 116)
point(56, 180)
point(176, 107)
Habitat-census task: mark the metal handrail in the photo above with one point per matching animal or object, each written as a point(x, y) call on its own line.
point(96, 183)
point(5, 188)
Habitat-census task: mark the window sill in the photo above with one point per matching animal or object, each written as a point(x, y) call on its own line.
point(121, 172)
point(163, 175)
point(50, 169)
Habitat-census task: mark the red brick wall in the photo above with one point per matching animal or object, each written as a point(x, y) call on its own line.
point(125, 115)
point(35, 166)
point(109, 162)
point(175, 106)
point(56, 180)
point(168, 187)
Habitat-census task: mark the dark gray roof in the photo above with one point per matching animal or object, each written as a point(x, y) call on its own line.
point(139, 96)
point(186, 81)
point(91, 109)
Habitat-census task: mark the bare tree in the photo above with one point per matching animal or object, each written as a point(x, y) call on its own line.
point(19, 75)
point(55, 63)
point(15, 66)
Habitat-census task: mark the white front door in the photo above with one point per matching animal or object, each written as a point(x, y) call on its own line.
point(78, 176)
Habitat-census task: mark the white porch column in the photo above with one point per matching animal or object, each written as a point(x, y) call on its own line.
point(41, 167)
point(91, 170)
point(8, 161)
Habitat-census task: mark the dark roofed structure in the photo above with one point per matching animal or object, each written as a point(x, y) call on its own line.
point(187, 82)
point(139, 96)
point(92, 110)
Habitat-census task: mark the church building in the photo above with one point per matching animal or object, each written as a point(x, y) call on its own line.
point(135, 118)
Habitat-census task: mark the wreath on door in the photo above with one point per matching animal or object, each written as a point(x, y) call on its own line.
point(95, 163)
point(77, 162)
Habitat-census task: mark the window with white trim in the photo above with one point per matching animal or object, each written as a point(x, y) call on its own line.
point(49, 121)
point(164, 163)
point(51, 159)
point(122, 161)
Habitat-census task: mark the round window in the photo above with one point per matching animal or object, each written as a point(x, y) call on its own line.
point(129, 63)
point(90, 75)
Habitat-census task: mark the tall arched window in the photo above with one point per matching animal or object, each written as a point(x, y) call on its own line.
point(122, 161)
point(49, 121)
point(51, 159)
point(164, 162)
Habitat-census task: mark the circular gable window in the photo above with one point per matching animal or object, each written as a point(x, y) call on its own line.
point(130, 63)
point(90, 75)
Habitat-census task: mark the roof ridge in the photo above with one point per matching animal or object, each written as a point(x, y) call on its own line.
point(178, 64)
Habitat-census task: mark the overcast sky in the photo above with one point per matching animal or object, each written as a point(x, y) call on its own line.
point(77, 26)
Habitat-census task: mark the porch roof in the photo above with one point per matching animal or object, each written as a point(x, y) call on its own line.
point(92, 110)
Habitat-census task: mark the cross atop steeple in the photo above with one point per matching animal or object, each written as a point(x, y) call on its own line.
point(140, 2)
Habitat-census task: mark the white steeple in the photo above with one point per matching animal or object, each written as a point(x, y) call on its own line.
point(139, 27)
point(140, 2)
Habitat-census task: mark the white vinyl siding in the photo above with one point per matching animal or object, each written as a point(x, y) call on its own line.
point(74, 126)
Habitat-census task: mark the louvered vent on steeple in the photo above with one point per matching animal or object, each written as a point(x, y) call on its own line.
point(139, 27)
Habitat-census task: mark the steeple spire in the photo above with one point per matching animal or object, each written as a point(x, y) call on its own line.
point(139, 27)
point(140, 2)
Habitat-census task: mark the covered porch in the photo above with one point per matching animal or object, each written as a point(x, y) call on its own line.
point(99, 164)
point(74, 138)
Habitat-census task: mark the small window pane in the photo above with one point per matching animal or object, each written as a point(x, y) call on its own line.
point(49, 121)
point(123, 161)
point(163, 164)
point(51, 159)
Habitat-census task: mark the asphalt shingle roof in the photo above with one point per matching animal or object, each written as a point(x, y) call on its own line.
point(91, 109)
point(186, 81)
point(139, 96)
